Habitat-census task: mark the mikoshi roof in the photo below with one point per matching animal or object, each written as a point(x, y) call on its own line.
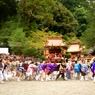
point(74, 47)
point(54, 41)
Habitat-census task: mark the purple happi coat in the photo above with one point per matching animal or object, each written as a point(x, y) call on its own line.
point(43, 66)
point(54, 67)
point(49, 67)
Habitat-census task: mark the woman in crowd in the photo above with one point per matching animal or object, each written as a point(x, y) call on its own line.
point(54, 70)
point(93, 69)
point(61, 69)
point(41, 74)
point(68, 69)
point(1, 69)
point(18, 70)
point(77, 69)
point(5, 69)
point(84, 70)
point(48, 70)
point(31, 70)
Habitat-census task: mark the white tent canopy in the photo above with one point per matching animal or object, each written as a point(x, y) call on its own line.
point(4, 50)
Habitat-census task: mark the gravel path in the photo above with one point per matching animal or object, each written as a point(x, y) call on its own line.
point(60, 87)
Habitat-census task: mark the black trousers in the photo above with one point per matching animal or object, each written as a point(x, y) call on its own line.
point(93, 75)
point(83, 73)
point(59, 75)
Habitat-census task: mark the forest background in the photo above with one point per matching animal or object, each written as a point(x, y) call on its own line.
point(26, 24)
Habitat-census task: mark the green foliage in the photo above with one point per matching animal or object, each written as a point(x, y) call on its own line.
point(6, 30)
point(30, 51)
point(42, 57)
point(70, 37)
point(8, 27)
point(38, 38)
point(17, 37)
point(7, 9)
point(33, 11)
point(50, 14)
point(72, 4)
point(17, 40)
point(68, 55)
point(36, 52)
point(63, 21)
point(88, 37)
point(81, 14)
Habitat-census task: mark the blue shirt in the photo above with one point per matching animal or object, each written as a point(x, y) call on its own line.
point(77, 67)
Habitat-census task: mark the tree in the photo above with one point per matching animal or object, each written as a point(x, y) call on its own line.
point(81, 14)
point(32, 12)
point(80, 11)
point(70, 37)
point(88, 37)
point(17, 41)
point(49, 14)
point(63, 21)
point(7, 29)
point(72, 4)
point(7, 9)
point(39, 37)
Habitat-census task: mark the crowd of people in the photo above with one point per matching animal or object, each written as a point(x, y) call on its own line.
point(24, 68)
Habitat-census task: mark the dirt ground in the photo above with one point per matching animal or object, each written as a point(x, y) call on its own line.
point(59, 87)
